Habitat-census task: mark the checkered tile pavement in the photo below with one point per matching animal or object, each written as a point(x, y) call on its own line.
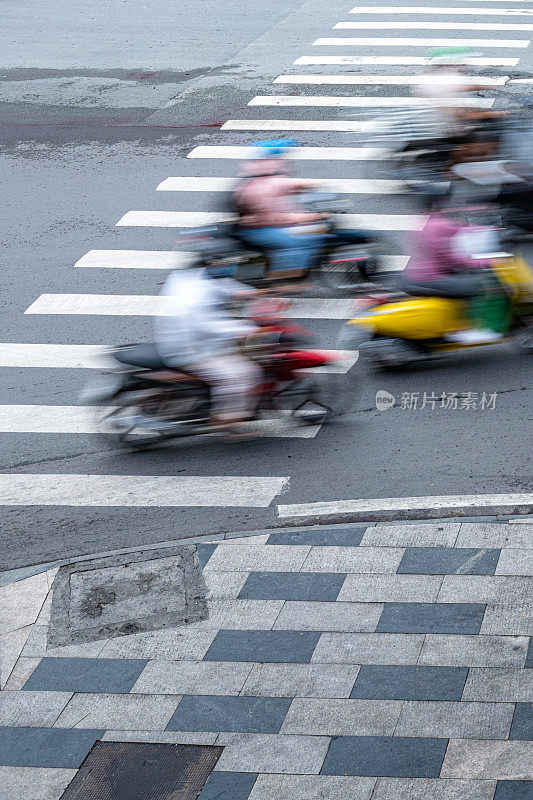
point(373, 663)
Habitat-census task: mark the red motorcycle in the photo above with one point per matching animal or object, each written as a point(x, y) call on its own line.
point(146, 402)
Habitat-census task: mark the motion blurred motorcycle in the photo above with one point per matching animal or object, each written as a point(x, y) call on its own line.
point(398, 329)
point(141, 402)
point(348, 258)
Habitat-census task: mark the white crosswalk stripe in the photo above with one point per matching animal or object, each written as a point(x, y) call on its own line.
point(363, 102)
point(93, 356)
point(188, 219)
point(134, 259)
point(436, 10)
point(399, 41)
point(435, 26)
point(138, 490)
point(150, 305)
point(41, 419)
point(389, 80)
point(296, 154)
point(400, 61)
point(339, 186)
point(330, 125)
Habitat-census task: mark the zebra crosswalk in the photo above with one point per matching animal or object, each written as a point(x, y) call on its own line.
point(372, 61)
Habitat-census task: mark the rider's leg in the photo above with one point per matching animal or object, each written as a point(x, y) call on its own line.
point(292, 248)
point(233, 380)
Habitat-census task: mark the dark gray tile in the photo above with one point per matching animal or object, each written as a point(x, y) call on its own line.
point(431, 618)
point(449, 561)
point(205, 551)
point(385, 756)
point(340, 537)
point(62, 748)
point(514, 790)
point(522, 727)
point(228, 786)
point(311, 586)
point(113, 675)
point(377, 682)
point(280, 647)
point(230, 714)
point(529, 657)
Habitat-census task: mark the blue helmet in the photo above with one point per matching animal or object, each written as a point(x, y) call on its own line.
point(274, 148)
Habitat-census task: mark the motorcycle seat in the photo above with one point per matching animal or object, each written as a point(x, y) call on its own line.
point(139, 355)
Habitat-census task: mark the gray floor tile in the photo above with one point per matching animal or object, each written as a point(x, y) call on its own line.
point(514, 790)
point(431, 618)
point(36, 646)
point(45, 747)
point(205, 551)
point(224, 585)
point(434, 788)
point(20, 673)
point(329, 616)
point(263, 646)
point(191, 677)
point(240, 614)
point(509, 618)
point(410, 682)
point(301, 680)
point(485, 589)
point(160, 737)
point(171, 644)
point(34, 783)
point(368, 648)
point(390, 588)
point(449, 561)
point(312, 787)
point(473, 651)
point(118, 711)
point(455, 720)
point(353, 559)
point(522, 727)
point(321, 537)
point(515, 562)
point(487, 534)
point(499, 685)
point(32, 709)
point(85, 674)
point(228, 786)
point(385, 756)
point(273, 753)
point(232, 714)
point(529, 657)
point(249, 557)
point(342, 717)
point(435, 534)
point(486, 760)
point(301, 586)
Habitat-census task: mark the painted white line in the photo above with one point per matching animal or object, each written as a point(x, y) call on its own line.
point(378, 41)
point(150, 305)
point(91, 420)
point(92, 356)
point(56, 356)
point(521, 521)
point(435, 10)
point(404, 504)
point(135, 259)
point(389, 80)
point(189, 219)
point(365, 102)
point(299, 125)
point(153, 491)
point(297, 154)
point(339, 186)
point(435, 26)
point(399, 61)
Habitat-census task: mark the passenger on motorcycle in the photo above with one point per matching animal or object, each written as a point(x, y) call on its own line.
point(269, 215)
point(438, 268)
point(196, 333)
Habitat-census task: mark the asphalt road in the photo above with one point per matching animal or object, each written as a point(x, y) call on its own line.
point(90, 127)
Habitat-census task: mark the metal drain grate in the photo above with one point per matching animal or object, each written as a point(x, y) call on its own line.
point(139, 771)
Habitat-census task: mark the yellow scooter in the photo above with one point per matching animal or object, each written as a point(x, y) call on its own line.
point(403, 329)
